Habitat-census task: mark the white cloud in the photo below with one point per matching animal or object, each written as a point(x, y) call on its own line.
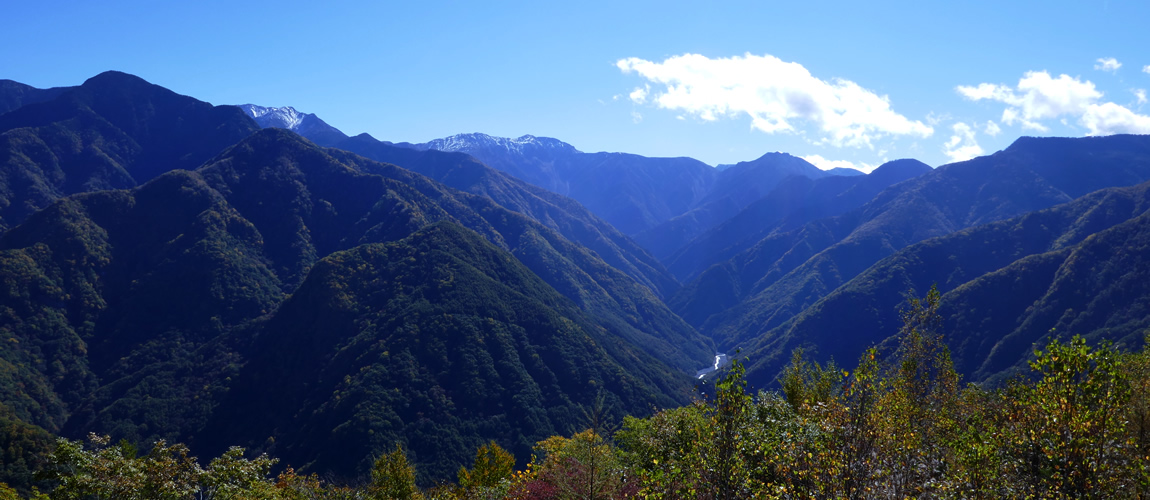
point(1140, 94)
point(636, 117)
point(992, 129)
point(1108, 64)
point(776, 95)
point(962, 145)
point(935, 118)
point(1039, 96)
point(825, 164)
point(985, 91)
point(639, 95)
point(1146, 68)
point(1110, 118)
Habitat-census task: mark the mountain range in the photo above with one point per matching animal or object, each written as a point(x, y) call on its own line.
point(633, 193)
point(765, 241)
point(136, 312)
point(751, 298)
point(248, 275)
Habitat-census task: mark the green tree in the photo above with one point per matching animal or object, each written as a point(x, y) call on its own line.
point(1075, 435)
point(392, 478)
point(231, 476)
point(726, 472)
point(490, 475)
point(1138, 418)
point(919, 400)
point(665, 450)
point(805, 383)
point(583, 466)
point(113, 472)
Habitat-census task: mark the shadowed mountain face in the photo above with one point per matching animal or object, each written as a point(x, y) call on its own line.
point(744, 298)
point(355, 209)
point(466, 173)
point(16, 94)
point(637, 195)
point(147, 302)
point(735, 188)
point(562, 214)
point(115, 131)
point(441, 341)
point(1077, 268)
point(795, 201)
point(631, 192)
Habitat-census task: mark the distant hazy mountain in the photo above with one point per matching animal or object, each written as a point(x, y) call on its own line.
point(115, 131)
point(794, 202)
point(630, 192)
point(734, 189)
point(741, 300)
point(529, 158)
point(635, 194)
point(844, 171)
point(1077, 268)
point(306, 124)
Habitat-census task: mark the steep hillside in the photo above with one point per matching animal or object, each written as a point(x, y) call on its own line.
point(759, 289)
point(441, 341)
point(1077, 268)
point(562, 214)
point(131, 310)
point(113, 304)
point(797, 200)
point(310, 202)
point(115, 131)
point(735, 188)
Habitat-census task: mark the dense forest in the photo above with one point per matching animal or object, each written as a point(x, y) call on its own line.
point(900, 425)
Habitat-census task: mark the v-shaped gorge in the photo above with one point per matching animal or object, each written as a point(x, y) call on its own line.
point(149, 296)
point(756, 297)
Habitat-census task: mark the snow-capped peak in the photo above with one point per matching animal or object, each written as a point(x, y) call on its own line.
point(283, 117)
point(476, 141)
point(287, 117)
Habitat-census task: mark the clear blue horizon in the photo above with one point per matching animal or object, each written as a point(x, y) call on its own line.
point(839, 83)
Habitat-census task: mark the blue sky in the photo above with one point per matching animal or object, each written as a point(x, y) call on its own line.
point(858, 82)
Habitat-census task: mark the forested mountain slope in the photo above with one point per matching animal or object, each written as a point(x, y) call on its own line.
point(794, 202)
point(115, 131)
point(441, 341)
point(562, 214)
point(734, 189)
point(1077, 268)
point(131, 310)
point(759, 289)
